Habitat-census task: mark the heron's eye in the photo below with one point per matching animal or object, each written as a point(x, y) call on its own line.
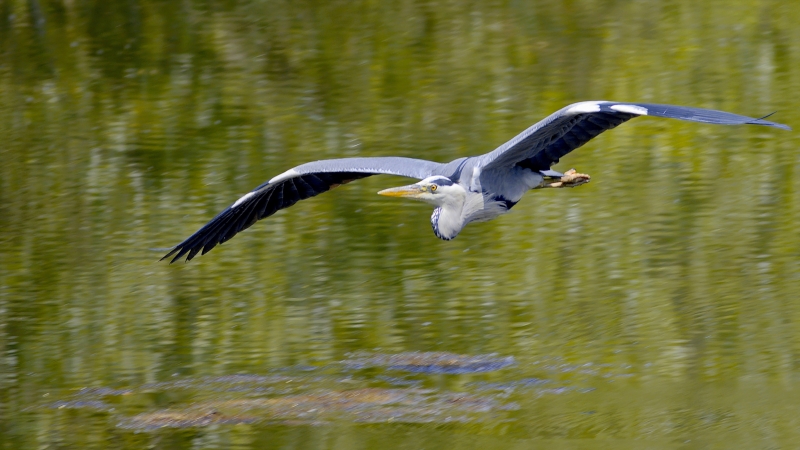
point(434, 187)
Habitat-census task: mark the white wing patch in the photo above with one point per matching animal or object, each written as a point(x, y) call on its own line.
point(291, 173)
point(242, 199)
point(584, 108)
point(630, 109)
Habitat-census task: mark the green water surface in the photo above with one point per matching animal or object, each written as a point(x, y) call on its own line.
point(656, 307)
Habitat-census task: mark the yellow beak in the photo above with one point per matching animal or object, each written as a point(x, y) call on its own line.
point(412, 190)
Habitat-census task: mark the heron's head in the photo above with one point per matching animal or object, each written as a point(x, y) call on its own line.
point(436, 190)
point(447, 196)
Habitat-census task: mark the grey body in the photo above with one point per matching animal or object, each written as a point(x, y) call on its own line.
point(464, 190)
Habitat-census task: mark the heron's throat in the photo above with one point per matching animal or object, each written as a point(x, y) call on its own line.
point(446, 222)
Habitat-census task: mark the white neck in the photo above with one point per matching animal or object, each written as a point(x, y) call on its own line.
point(448, 219)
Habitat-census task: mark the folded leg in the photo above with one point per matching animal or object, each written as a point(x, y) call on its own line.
point(570, 178)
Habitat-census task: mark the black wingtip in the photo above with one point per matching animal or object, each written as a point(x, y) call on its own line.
point(180, 255)
point(180, 250)
point(762, 118)
point(761, 121)
point(172, 252)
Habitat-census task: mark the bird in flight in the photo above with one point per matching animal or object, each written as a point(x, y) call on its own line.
point(469, 189)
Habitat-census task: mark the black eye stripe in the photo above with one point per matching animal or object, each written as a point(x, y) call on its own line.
point(442, 182)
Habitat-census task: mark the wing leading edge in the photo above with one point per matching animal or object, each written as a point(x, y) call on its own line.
point(545, 142)
point(302, 182)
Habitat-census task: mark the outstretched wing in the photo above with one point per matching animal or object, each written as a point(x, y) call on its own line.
point(302, 182)
point(544, 143)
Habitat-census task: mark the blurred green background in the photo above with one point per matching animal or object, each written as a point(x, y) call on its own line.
point(656, 307)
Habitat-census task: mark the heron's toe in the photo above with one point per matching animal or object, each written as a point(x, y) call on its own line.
point(572, 178)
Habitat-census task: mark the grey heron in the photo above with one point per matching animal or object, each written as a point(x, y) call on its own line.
point(468, 189)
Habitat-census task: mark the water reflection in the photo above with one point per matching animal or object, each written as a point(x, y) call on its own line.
point(127, 124)
point(357, 389)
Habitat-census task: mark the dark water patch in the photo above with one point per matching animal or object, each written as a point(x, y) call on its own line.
point(558, 365)
point(510, 386)
point(399, 381)
point(294, 397)
point(429, 362)
point(81, 404)
point(245, 384)
point(368, 405)
point(180, 419)
point(535, 387)
point(102, 392)
point(227, 383)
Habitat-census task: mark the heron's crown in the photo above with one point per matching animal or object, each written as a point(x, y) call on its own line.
point(438, 180)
